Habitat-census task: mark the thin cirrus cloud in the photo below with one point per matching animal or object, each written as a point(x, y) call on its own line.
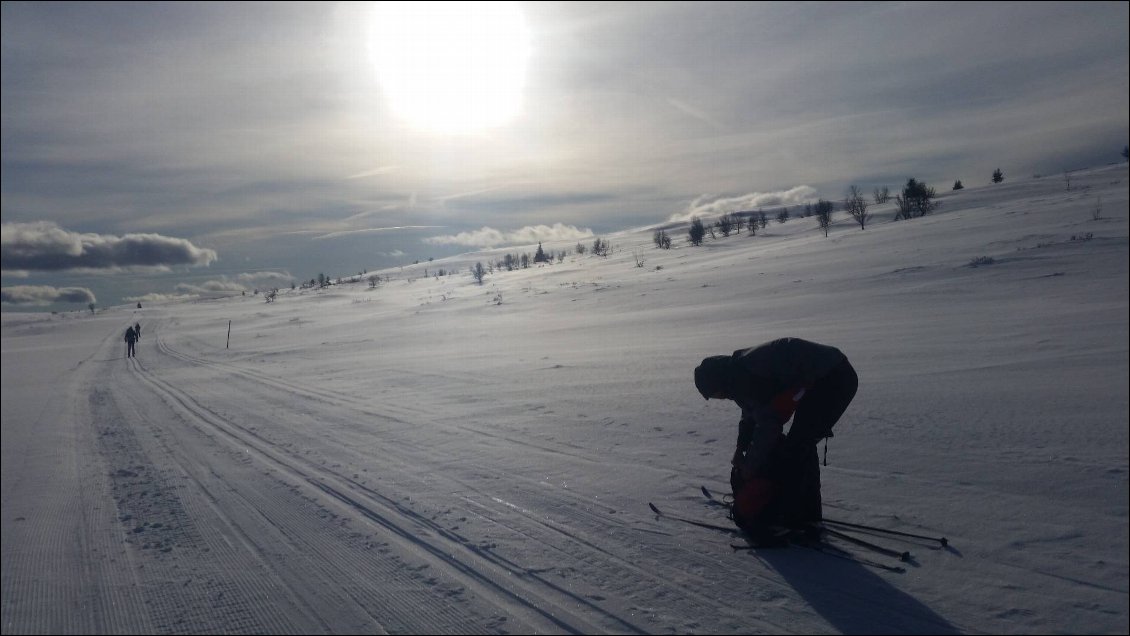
point(46, 247)
point(45, 295)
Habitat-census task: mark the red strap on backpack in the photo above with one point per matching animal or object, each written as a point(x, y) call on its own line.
point(753, 497)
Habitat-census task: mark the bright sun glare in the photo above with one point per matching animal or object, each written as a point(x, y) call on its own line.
point(451, 67)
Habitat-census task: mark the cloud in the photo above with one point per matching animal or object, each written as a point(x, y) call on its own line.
point(44, 246)
point(159, 298)
point(45, 295)
point(372, 173)
point(266, 279)
point(370, 230)
point(222, 286)
point(241, 283)
point(490, 237)
point(708, 206)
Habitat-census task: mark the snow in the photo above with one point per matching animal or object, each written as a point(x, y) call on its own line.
point(422, 458)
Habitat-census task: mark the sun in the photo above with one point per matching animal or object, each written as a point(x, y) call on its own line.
point(451, 67)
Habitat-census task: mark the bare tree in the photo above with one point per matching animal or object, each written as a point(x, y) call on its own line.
point(725, 224)
point(856, 206)
point(823, 210)
point(477, 272)
point(882, 195)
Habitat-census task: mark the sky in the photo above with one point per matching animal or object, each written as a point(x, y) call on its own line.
point(156, 150)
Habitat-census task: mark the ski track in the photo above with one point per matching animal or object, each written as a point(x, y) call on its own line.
point(410, 602)
point(210, 521)
point(632, 583)
point(214, 517)
point(568, 547)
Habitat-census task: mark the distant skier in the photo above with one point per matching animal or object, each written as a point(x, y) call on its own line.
point(776, 477)
point(137, 332)
point(131, 340)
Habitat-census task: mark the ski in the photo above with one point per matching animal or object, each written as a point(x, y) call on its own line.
point(820, 546)
point(694, 522)
point(942, 540)
point(709, 495)
point(840, 533)
point(867, 545)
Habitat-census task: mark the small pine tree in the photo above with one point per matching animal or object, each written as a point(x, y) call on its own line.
point(916, 197)
point(998, 176)
point(957, 185)
point(539, 256)
point(478, 272)
point(697, 231)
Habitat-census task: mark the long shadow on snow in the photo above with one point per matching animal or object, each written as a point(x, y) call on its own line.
point(853, 598)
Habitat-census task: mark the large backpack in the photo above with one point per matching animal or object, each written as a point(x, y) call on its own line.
point(786, 494)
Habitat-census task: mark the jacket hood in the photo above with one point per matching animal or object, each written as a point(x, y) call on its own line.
point(713, 375)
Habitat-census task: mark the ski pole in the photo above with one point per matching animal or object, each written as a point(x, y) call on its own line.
point(901, 556)
point(941, 540)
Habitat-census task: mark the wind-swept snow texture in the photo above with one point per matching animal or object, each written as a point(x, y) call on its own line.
point(436, 456)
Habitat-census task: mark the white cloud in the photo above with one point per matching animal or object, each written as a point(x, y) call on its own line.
point(490, 237)
point(709, 206)
point(266, 279)
point(159, 298)
point(45, 295)
point(44, 246)
point(247, 281)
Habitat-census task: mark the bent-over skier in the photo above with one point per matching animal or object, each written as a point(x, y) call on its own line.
point(776, 477)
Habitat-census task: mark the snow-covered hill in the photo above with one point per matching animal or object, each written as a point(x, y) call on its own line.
point(437, 456)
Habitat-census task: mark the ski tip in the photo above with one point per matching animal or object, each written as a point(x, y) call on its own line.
point(706, 492)
point(653, 508)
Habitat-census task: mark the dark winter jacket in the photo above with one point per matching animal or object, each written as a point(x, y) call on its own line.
point(766, 381)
